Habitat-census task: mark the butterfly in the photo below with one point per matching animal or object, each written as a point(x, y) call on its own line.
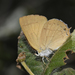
point(44, 36)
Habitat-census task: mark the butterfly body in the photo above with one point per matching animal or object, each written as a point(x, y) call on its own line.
point(45, 53)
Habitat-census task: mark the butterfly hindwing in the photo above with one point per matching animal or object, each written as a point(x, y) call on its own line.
point(54, 34)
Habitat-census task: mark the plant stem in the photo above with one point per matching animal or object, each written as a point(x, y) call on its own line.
point(27, 68)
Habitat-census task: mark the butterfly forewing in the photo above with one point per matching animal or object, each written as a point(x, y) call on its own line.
point(32, 26)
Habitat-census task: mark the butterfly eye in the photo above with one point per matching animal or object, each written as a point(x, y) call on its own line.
point(36, 52)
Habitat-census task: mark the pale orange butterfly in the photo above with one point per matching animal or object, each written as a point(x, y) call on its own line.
point(44, 36)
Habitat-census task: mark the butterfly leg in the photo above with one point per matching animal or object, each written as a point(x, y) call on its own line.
point(46, 58)
point(43, 60)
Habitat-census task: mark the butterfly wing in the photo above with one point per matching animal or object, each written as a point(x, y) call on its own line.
point(32, 26)
point(54, 34)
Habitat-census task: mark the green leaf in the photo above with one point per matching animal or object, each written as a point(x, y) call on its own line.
point(35, 63)
point(58, 58)
point(67, 71)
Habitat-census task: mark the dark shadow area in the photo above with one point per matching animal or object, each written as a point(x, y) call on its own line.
point(70, 62)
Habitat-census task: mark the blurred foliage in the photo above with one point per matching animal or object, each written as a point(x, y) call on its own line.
point(67, 71)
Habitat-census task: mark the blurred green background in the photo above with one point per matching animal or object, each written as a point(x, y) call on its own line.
point(12, 10)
